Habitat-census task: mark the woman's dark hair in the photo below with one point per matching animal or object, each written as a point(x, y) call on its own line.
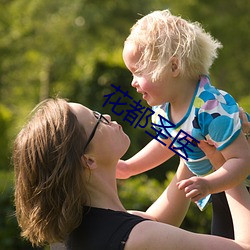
point(49, 180)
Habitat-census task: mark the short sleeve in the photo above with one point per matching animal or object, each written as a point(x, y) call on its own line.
point(219, 120)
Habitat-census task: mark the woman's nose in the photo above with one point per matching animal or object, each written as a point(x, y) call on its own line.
point(108, 117)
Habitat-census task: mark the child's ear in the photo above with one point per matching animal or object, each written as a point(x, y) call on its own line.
point(175, 66)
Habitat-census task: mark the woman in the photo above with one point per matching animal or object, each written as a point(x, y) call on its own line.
point(65, 188)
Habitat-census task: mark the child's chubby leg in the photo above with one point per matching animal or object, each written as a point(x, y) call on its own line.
point(171, 207)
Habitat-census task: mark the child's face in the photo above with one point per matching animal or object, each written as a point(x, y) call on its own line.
point(152, 92)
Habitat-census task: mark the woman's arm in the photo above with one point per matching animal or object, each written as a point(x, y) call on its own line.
point(160, 236)
point(214, 156)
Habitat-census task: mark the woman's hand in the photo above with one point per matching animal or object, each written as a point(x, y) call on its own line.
point(245, 124)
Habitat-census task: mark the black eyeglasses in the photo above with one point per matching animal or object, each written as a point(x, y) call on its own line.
point(100, 118)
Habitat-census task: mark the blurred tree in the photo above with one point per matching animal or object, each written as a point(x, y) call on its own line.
point(5, 123)
point(244, 102)
point(227, 21)
point(57, 45)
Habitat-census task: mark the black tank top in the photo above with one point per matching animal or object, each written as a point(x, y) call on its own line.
point(102, 229)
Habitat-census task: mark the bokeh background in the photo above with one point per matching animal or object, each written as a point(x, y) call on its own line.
point(72, 49)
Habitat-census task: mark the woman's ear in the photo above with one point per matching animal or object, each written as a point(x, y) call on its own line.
point(89, 161)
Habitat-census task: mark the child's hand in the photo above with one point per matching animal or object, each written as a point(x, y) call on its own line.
point(122, 170)
point(194, 187)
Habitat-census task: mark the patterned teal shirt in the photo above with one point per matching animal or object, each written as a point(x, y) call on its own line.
point(213, 115)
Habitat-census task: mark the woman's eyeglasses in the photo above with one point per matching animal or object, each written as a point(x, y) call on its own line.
point(100, 118)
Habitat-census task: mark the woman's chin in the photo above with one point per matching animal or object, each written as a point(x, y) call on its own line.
point(126, 145)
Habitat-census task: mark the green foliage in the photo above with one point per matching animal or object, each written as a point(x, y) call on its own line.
point(245, 103)
point(230, 71)
point(5, 124)
point(139, 192)
point(73, 48)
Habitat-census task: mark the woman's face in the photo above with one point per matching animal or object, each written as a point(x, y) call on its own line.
point(109, 140)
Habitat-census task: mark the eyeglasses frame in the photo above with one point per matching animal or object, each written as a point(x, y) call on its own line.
point(101, 118)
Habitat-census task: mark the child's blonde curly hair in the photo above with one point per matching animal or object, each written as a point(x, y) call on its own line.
point(161, 36)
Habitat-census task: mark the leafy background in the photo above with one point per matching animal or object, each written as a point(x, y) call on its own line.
point(72, 48)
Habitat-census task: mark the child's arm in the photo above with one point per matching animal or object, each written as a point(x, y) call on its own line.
point(152, 155)
point(235, 170)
